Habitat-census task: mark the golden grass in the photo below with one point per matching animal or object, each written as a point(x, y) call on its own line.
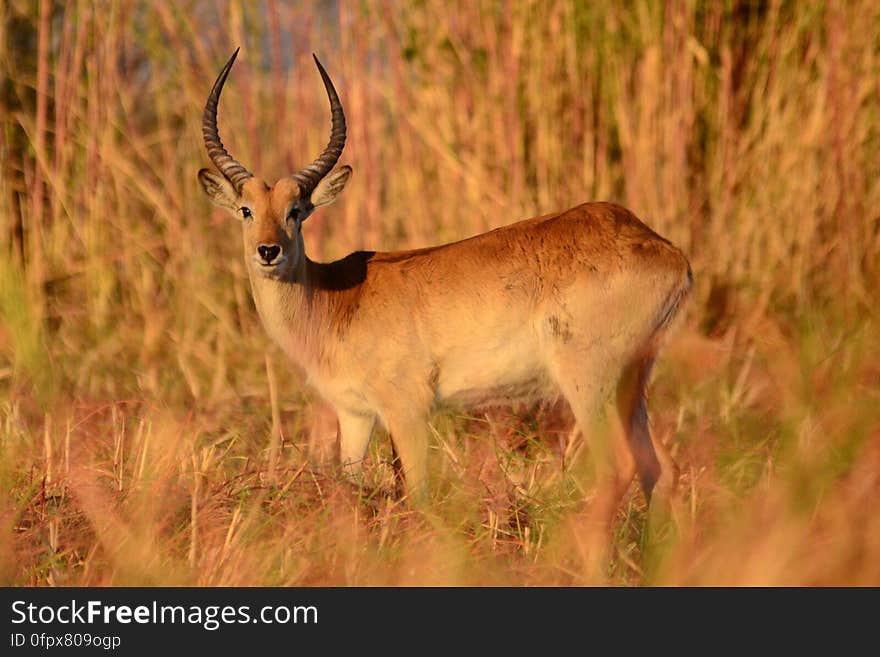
point(137, 442)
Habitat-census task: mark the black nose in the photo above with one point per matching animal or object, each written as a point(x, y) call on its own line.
point(268, 252)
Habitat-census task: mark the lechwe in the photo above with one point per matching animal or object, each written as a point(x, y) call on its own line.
point(572, 303)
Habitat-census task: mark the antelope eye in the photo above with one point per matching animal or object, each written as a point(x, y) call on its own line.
point(293, 215)
point(245, 213)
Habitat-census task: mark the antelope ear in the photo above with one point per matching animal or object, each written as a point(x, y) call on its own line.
point(219, 190)
point(330, 187)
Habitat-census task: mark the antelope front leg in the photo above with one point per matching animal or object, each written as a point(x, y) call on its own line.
point(355, 432)
point(409, 433)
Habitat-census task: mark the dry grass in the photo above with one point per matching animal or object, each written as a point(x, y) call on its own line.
point(136, 440)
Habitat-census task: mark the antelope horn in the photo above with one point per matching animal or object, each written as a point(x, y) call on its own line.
point(225, 163)
point(309, 176)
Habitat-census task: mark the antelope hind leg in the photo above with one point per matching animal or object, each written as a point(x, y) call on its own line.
point(657, 472)
point(609, 455)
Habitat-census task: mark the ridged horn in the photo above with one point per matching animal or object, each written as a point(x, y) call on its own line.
point(225, 163)
point(309, 176)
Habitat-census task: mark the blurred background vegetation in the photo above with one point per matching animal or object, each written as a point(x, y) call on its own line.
point(144, 438)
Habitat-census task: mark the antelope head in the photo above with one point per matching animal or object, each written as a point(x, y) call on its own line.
point(272, 216)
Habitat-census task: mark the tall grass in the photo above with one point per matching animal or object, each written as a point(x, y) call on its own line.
point(143, 440)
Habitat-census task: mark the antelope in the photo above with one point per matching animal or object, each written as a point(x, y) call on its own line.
point(571, 304)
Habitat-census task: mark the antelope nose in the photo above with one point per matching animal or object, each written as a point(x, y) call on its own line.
point(268, 252)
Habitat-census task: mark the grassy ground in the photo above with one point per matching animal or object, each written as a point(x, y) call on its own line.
point(151, 434)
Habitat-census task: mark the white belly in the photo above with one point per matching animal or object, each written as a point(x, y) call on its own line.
point(505, 370)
